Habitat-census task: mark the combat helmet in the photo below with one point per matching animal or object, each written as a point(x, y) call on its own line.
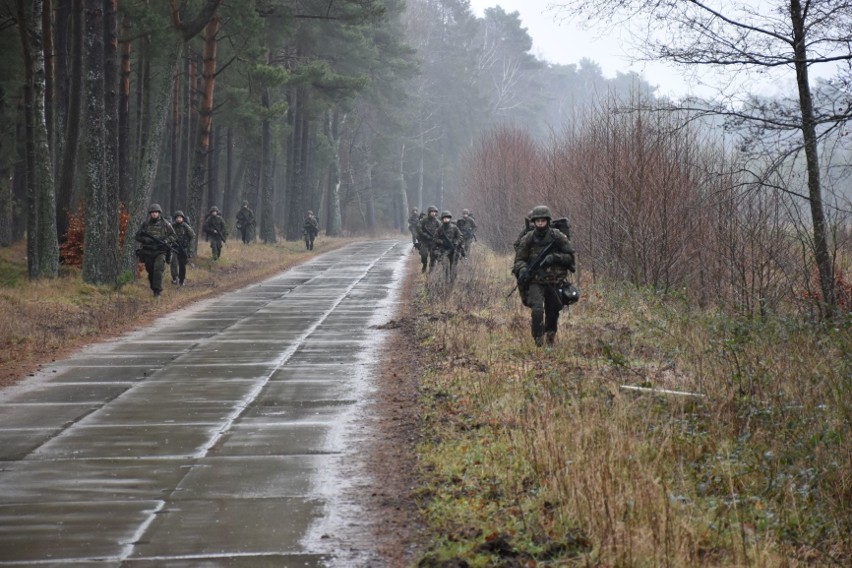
point(446, 213)
point(155, 207)
point(310, 212)
point(245, 203)
point(540, 212)
point(179, 213)
point(432, 208)
point(214, 208)
point(465, 211)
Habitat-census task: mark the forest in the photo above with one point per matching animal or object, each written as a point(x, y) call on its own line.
point(362, 109)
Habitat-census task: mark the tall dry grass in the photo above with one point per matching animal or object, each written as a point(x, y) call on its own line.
point(535, 456)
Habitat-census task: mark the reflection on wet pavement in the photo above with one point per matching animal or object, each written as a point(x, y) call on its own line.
point(214, 438)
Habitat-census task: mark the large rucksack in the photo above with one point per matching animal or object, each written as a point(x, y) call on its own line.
point(562, 226)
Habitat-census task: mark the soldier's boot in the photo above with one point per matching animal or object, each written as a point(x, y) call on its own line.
point(537, 328)
point(551, 338)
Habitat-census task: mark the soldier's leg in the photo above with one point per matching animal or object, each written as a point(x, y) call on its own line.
point(182, 260)
point(159, 265)
point(149, 268)
point(433, 259)
point(535, 299)
point(174, 268)
point(424, 256)
point(552, 307)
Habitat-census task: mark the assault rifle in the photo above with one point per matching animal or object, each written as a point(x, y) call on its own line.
point(168, 246)
point(448, 244)
point(532, 269)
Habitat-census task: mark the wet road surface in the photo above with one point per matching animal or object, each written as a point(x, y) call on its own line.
point(217, 437)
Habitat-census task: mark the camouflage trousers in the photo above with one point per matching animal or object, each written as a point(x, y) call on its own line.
point(544, 301)
point(178, 267)
point(216, 247)
point(428, 255)
point(155, 266)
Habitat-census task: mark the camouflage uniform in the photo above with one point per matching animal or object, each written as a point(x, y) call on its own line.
point(467, 226)
point(426, 231)
point(310, 229)
point(541, 294)
point(184, 235)
point(152, 253)
point(245, 223)
point(413, 221)
point(215, 231)
point(450, 245)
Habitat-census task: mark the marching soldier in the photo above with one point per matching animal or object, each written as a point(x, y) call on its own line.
point(542, 260)
point(157, 237)
point(184, 235)
point(413, 221)
point(426, 232)
point(245, 222)
point(450, 245)
point(310, 229)
point(215, 231)
point(467, 226)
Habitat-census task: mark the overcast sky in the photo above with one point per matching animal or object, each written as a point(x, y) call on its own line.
point(560, 41)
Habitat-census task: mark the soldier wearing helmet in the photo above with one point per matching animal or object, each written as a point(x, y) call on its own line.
point(215, 231)
point(184, 237)
point(427, 231)
point(157, 237)
point(245, 223)
point(467, 226)
point(450, 245)
point(413, 221)
point(543, 258)
point(310, 229)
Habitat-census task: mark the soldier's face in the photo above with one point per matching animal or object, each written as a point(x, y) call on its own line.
point(178, 219)
point(445, 220)
point(155, 215)
point(540, 223)
point(433, 213)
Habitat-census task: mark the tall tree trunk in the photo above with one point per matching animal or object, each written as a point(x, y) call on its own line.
point(333, 222)
point(267, 203)
point(125, 179)
point(6, 195)
point(403, 193)
point(41, 226)
point(205, 122)
point(213, 195)
point(49, 77)
point(825, 264)
point(294, 196)
point(64, 50)
point(68, 167)
point(96, 216)
point(112, 64)
point(175, 142)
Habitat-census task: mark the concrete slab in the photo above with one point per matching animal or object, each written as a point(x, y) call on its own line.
point(215, 437)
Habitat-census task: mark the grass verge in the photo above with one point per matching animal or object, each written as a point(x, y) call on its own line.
point(42, 320)
point(533, 457)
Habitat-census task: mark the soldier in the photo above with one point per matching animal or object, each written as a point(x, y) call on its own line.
point(245, 222)
point(467, 226)
point(215, 231)
point(184, 235)
point(413, 221)
point(426, 232)
point(542, 261)
point(157, 236)
point(310, 229)
point(450, 245)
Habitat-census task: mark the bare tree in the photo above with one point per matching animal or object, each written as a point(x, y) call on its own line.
point(741, 38)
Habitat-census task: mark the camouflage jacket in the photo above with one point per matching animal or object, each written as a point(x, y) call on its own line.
point(467, 226)
point(427, 230)
point(185, 235)
point(245, 218)
point(311, 225)
point(531, 245)
point(214, 227)
point(449, 237)
point(413, 221)
point(160, 229)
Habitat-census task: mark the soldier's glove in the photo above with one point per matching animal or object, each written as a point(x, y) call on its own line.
point(523, 276)
point(548, 261)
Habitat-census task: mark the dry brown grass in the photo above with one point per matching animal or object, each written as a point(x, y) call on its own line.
point(539, 456)
point(43, 320)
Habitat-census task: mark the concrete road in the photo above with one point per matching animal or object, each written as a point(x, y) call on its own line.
point(216, 437)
